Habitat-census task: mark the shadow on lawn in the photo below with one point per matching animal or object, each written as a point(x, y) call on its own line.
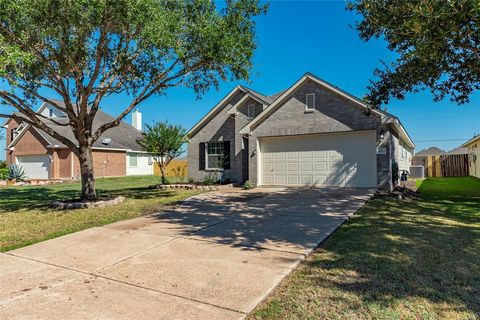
point(401, 249)
point(13, 199)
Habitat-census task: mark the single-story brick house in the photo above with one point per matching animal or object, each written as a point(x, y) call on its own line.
point(115, 153)
point(313, 133)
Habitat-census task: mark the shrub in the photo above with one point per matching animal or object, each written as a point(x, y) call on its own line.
point(3, 174)
point(16, 172)
point(191, 180)
point(210, 180)
point(3, 164)
point(247, 185)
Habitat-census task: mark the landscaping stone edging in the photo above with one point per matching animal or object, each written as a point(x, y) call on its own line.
point(194, 187)
point(60, 205)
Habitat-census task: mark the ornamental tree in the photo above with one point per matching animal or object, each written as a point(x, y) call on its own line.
point(163, 142)
point(437, 43)
point(85, 50)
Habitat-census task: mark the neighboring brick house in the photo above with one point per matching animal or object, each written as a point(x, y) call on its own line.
point(115, 153)
point(310, 134)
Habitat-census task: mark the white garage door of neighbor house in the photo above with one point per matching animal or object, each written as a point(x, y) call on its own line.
point(339, 159)
point(35, 167)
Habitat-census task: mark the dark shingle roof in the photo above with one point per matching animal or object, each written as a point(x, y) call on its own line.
point(123, 137)
point(432, 151)
point(260, 96)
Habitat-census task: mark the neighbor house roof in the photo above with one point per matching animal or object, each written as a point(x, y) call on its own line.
point(123, 137)
point(432, 151)
point(458, 150)
point(475, 138)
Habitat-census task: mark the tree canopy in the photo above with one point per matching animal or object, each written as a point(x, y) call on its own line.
point(437, 45)
point(86, 50)
point(163, 141)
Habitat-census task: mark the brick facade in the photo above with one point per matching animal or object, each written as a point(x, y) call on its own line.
point(63, 163)
point(220, 128)
point(332, 113)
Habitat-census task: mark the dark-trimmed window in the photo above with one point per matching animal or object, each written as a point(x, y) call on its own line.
point(215, 155)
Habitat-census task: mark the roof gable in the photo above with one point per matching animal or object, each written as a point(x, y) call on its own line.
point(475, 138)
point(431, 151)
point(122, 137)
point(217, 108)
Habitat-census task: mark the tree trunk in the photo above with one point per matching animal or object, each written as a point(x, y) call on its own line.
point(86, 171)
point(162, 170)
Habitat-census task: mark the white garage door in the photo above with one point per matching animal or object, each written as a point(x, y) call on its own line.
point(340, 159)
point(35, 167)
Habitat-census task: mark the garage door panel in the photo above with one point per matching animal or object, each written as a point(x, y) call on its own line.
point(35, 167)
point(321, 154)
point(279, 180)
point(293, 166)
point(280, 156)
point(321, 167)
point(346, 160)
point(268, 166)
point(268, 179)
point(293, 179)
point(293, 155)
point(306, 166)
point(307, 179)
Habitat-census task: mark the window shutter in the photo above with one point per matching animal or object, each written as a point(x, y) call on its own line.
point(201, 156)
point(226, 151)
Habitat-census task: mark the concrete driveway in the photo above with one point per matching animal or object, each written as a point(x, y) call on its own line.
point(214, 257)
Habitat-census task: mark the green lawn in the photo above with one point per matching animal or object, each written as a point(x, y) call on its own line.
point(395, 259)
point(26, 216)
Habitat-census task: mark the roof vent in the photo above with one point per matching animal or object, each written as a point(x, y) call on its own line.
point(106, 141)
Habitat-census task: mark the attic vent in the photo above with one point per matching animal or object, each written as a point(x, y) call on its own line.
point(106, 141)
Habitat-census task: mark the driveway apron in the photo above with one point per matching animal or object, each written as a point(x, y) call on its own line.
point(216, 256)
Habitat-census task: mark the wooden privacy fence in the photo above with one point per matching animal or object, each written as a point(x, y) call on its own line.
point(176, 168)
point(445, 165)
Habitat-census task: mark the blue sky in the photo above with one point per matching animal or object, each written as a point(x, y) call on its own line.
point(315, 36)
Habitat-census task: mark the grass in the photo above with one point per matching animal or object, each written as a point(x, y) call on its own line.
point(395, 259)
point(26, 216)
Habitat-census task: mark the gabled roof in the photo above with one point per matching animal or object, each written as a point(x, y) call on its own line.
point(214, 110)
point(458, 150)
point(279, 98)
point(475, 138)
point(123, 137)
point(274, 101)
point(258, 96)
point(432, 151)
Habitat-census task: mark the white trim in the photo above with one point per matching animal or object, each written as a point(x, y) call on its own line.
point(213, 154)
point(259, 163)
point(200, 123)
point(307, 108)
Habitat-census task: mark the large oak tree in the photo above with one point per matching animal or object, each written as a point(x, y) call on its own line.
point(86, 50)
point(437, 43)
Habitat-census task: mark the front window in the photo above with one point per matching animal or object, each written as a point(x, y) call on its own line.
point(215, 155)
point(133, 160)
